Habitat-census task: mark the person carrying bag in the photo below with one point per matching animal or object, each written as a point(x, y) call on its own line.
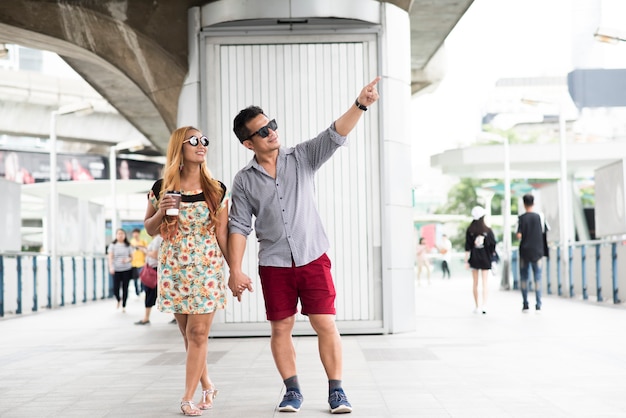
point(149, 277)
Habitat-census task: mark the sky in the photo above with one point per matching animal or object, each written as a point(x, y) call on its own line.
point(501, 39)
point(493, 40)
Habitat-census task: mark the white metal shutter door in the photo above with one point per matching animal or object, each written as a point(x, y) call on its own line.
point(306, 86)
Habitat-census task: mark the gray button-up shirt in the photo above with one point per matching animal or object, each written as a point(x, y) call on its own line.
point(287, 221)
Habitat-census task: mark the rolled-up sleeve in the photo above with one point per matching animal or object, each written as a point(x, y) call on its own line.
point(319, 149)
point(240, 220)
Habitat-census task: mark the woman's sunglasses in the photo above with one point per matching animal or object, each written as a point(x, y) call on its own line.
point(194, 141)
point(265, 131)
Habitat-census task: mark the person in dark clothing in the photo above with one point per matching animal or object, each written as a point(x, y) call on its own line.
point(530, 230)
point(446, 255)
point(480, 245)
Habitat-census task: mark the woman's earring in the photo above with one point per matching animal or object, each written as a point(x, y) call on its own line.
point(180, 167)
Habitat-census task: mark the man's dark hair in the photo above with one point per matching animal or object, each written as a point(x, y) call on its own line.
point(529, 199)
point(244, 116)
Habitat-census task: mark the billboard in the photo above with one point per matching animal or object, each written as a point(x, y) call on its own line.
point(34, 167)
point(610, 207)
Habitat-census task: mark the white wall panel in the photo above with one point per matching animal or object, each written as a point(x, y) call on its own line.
point(10, 221)
point(610, 209)
point(305, 82)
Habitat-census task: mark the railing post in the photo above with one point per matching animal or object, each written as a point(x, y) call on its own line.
point(104, 278)
point(558, 271)
point(570, 262)
point(73, 281)
point(49, 265)
point(35, 301)
point(110, 276)
point(1, 285)
point(583, 264)
point(614, 272)
point(62, 268)
point(515, 268)
point(95, 295)
point(84, 279)
point(548, 277)
point(19, 285)
point(598, 278)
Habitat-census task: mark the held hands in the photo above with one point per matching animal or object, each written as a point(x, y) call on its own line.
point(238, 283)
point(369, 94)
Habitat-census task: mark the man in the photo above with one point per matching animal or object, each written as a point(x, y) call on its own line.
point(140, 248)
point(446, 255)
point(530, 230)
point(277, 187)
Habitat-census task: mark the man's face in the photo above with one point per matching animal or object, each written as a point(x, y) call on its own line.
point(256, 142)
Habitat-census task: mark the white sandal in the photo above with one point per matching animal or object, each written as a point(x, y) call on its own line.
point(191, 410)
point(207, 399)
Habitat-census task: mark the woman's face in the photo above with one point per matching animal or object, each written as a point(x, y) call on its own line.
point(191, 153)
point(124, 170)
point(120, 236)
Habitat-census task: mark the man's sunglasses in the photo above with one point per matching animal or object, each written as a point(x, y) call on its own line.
point(194, 140)
point(265, 131)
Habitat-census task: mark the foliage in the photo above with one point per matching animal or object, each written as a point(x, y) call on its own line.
point(458, 239)
point(462, 197)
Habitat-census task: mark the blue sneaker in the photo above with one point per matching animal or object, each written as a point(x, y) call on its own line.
point(292, 401)
point(338, 402)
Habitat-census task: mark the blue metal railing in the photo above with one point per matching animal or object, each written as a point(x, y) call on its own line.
point(585, 259)
point(28, 276)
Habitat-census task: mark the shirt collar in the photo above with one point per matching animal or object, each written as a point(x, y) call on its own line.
point(281, 153)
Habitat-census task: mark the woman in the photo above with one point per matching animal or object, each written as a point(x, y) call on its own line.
point(422, 261)
point(480, 245)
point(139, 257)
point(191, 278)
point(120, 253)
point(152, 262)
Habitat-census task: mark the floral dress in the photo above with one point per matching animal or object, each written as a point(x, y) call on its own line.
point(191, 265)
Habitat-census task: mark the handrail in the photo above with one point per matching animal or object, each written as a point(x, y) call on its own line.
point(585, 259)
point(28, 275)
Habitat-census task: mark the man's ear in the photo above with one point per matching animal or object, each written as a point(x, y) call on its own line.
point(248, 144)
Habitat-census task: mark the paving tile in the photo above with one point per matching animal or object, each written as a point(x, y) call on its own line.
point(91, 360)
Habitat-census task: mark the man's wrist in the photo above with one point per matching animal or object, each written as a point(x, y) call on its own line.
point(359, 105)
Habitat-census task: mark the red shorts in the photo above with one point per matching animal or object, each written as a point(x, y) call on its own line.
point(312, 284)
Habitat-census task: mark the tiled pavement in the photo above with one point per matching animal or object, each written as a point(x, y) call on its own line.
point(92, 361)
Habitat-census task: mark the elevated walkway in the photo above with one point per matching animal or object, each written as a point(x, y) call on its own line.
point(91, 360)
point(28, 98)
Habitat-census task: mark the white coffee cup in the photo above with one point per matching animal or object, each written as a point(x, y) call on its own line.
point(177, 196)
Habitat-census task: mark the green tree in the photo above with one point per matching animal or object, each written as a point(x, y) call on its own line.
point(462, 197)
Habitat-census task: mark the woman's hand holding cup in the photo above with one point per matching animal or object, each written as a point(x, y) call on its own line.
point(172, 202)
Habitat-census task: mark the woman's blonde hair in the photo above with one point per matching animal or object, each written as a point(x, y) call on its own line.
point(212, 189)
